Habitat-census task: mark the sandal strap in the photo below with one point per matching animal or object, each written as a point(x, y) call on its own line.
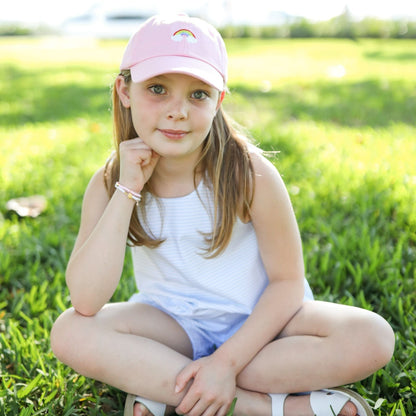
point(278, 402)
point(327, 402)
point(156, 408)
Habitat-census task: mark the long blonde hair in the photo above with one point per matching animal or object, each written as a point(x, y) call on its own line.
point(224, 160)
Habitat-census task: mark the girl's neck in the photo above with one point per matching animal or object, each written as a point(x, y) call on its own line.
point(173, 178)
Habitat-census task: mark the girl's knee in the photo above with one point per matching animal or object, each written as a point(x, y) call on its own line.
point(375, 337)
point(65, 334)
point(383, 338)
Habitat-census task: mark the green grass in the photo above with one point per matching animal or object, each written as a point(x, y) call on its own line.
point(347, 152)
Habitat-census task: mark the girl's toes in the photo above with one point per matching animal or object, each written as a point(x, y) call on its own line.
point(141, 410)
point(348, 410)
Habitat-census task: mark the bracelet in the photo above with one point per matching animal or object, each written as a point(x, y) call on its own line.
point(128, 192)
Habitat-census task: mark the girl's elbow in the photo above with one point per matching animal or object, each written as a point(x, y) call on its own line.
point(299, 289)
point(83, 304)
point(84, 308)
point(82, 301)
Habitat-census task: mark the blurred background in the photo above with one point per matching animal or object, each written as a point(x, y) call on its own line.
point(297, 18)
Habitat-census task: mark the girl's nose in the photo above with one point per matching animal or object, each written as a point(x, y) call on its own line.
point(178, 110)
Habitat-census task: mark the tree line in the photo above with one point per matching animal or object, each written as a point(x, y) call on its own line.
point(342, 26)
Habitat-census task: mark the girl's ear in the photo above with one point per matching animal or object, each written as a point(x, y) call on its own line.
point(123, 91)
point(220, 99)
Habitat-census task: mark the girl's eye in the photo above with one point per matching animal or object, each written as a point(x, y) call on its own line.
point(157, 89)
point(199, 95)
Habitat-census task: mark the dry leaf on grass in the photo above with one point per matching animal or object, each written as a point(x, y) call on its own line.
point(31, 206)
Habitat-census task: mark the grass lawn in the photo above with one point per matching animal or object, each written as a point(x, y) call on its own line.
point(341, 115)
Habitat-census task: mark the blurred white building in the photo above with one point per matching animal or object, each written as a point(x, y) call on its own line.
point(108, 20)
point(119, 19)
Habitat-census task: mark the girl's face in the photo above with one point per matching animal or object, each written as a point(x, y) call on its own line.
point(172, 113)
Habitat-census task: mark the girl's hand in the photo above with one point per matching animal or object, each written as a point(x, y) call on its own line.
point(137, 162)
point(212, 390)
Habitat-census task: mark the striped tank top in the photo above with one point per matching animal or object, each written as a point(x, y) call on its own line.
point(179, 277)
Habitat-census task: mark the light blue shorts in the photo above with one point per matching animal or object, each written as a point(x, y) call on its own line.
point(205, 336)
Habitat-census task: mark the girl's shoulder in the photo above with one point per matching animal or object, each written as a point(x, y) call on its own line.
point(96, 194)
point(99, 181)
point(269, 188)
point(93, 205)
point(264, 170)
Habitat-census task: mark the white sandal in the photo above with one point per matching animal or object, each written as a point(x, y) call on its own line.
point(327, 402)
point(156, 408)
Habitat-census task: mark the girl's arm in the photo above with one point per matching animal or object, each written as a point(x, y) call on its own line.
point(281, 251)
point(96, 263)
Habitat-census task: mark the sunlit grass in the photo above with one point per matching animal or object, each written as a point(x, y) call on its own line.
point(340, 113)
point(281, 60)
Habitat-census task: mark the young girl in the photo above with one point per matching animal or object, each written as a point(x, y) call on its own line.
point(223, 309)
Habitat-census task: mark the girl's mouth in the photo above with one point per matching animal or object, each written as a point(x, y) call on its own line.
point(173, 134)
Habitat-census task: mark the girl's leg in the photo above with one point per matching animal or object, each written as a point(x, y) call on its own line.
point(324, 345)
point(134, 347)
point(140, 350)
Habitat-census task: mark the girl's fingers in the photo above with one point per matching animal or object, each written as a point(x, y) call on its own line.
point(185, 376)
point(223, 411)
point(188, 405)
point(210, 410)
point(144, 156)
point(137, 162)
point(154, 157)
point(136, 143)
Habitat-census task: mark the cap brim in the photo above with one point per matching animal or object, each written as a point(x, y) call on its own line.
point(177, 65)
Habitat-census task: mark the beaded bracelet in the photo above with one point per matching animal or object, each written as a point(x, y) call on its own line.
point(128, 192)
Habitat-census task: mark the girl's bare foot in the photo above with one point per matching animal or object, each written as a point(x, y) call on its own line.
point(140, 410)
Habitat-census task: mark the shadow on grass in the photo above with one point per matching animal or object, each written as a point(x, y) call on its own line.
point(40, 96)
point(386, 56)
point(371, 103)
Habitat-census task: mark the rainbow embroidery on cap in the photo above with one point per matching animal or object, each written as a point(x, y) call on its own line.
point(184, 34)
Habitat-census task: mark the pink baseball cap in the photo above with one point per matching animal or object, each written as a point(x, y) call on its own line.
point(177, 44)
